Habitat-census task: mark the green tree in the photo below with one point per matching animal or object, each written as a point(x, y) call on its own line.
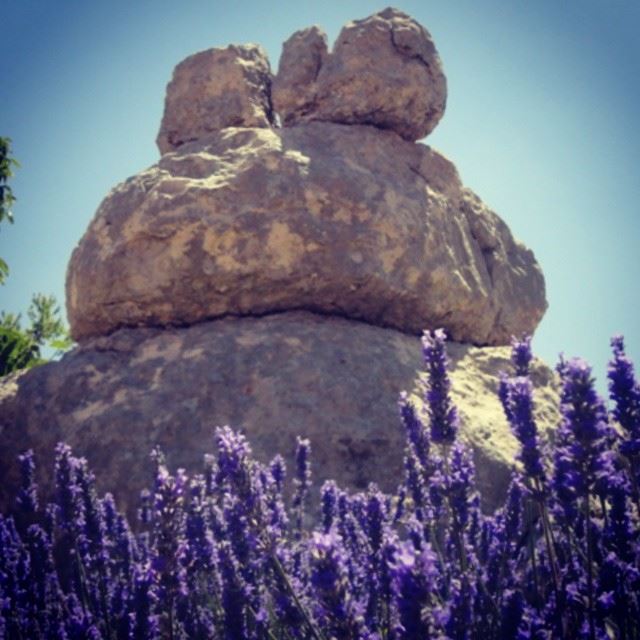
point(21, 348)
point(7, 164)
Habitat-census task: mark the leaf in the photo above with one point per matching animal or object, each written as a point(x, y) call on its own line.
point(4, 271)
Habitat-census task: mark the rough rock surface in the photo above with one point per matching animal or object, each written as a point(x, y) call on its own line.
point(215, 89)
point(344, 220)
point(294, 87)
point(333, 380)
point(383, 71)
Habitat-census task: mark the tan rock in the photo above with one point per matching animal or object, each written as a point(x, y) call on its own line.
point(383, 71)
point(344, 220)
point(294, 87)
point(333, 380)
point(215, 89)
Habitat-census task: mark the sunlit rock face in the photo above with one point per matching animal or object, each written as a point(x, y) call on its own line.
point(344, 220)
point(274, 270)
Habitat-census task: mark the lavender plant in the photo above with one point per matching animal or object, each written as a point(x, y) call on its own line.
point(223, 555)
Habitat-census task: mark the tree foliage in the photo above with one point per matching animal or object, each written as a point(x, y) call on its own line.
point(7, 164)
point(21, 348)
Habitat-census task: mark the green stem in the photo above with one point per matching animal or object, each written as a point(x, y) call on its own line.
point(103, 598)
point(83, 578)
point(534, 564)
point(587, 518)
point(451, 514)
point(269, 632)
point(171, 619)
point(281, 572)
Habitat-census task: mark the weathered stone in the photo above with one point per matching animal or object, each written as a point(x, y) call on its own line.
point(294, 87)
point(344, 220)
point(215, 89)
point(383, 71)
point(335, 381)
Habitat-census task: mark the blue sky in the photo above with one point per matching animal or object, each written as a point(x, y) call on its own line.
point(541, 121)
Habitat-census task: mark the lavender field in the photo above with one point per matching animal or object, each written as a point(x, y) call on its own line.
point(233, 554)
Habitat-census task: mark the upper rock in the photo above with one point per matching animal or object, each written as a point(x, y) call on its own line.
point(344, 220)
point(384, 71)
point(215, 89)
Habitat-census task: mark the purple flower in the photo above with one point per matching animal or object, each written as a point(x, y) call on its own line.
point(28, 495)
point(415, 484)
point(145, 510)
point(460, 620)
point(302, 480)
point(44, 588)
point(170, 546)
point(460, 486)
point(618, 534)
point(198, 534)
point(416, 434)
point(93, 521)
point(69, 508)
point(517, 400)
point(329, 499)
point(511, 614)
point(287, 593)
point(336, 610)
point(234, 468)
point(521, 355)
point(143, 622)
point(618, 595)
point(624, 390)
point(376, 515)
point(414, 574)
point(278, 471)
point(443, 417)
point(235, 595)
point(583, 434)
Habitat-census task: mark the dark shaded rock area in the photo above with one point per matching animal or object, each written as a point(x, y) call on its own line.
point(333, 380)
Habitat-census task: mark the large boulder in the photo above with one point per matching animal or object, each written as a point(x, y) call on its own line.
point(383, 70)
point(215, 89)
point(333, 380)
point(345, 220)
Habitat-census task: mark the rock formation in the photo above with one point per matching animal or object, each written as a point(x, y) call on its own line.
point(278, 278)
point(383, 71)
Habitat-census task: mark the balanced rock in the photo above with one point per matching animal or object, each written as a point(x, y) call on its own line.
point(277, 279)
point(215, 89)
point(344, 220)
point(383, 71)
point(332, 380)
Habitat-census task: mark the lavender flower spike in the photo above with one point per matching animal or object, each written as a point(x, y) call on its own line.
point(519, 398)
point(414, 575)
point(625, 392)
point(442, 414)
point(339, 614)
point(28, 496)
point(521, 355)
point(415, 432)
point(302, 481)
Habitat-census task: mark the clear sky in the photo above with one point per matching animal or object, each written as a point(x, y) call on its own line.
point(542, 121)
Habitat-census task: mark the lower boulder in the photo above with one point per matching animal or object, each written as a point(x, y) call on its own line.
point(333, 380)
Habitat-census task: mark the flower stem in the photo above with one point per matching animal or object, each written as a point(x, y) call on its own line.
point(587, 518)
